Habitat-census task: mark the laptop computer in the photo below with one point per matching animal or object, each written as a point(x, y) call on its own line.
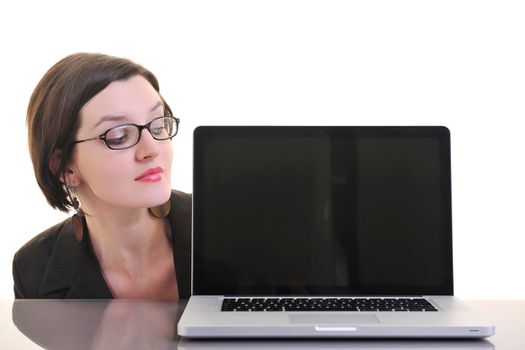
point(323, 232)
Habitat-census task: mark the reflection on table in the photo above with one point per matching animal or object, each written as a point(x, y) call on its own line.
point(94, 324)
point(138, 324)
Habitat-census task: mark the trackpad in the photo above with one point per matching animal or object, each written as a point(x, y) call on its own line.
point(333, 319)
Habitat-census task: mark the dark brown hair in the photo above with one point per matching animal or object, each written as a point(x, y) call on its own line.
point(53, 112)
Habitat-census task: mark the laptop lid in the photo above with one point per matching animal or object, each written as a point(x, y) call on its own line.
point(321, 211)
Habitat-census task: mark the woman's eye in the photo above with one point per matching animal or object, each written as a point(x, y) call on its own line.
point(117, 136)
point(117, 140)
point(158, 131)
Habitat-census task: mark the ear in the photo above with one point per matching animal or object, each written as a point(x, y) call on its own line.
point(69, 177)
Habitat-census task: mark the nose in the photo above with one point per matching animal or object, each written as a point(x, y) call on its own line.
point(147, 147)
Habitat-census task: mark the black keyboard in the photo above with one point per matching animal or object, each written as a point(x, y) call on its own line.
point(327, 304)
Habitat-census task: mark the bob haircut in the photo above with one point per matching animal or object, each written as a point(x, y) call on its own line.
point(53, 113)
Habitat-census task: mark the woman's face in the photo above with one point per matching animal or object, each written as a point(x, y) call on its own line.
point(105, 177)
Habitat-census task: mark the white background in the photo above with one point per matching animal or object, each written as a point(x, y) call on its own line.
point(455, 63)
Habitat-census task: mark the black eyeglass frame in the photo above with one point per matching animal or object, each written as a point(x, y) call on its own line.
point(139, 127)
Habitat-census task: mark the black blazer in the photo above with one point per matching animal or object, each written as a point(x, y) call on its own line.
point(54, 265)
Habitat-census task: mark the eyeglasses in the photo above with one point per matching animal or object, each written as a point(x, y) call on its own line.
point(128, 135)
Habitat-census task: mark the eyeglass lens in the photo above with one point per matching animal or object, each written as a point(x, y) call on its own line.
point(125, 136)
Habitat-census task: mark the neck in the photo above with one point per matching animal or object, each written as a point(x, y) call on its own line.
point(126, 238)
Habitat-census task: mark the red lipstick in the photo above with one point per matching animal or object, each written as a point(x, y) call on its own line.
point(150, 175)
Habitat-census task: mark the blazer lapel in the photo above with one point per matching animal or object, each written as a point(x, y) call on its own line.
point(90, 284)
point(72, 271)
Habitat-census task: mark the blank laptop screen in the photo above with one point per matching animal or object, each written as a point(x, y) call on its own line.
point(322, 211)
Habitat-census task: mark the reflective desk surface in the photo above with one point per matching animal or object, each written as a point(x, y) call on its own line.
point(135, 324)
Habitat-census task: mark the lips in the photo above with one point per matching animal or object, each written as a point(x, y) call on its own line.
point(150, 175)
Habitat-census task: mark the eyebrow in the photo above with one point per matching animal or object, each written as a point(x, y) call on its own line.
point(110, 118)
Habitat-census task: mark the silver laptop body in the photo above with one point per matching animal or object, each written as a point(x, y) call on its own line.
point(334, 344)
point(323, 232)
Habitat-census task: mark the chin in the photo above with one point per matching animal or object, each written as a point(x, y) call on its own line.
point(154, 197)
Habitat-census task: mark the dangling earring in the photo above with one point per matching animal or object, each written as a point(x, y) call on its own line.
point(161, 211)
point(78, 217)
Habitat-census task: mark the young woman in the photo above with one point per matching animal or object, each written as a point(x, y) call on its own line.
point(99, 138)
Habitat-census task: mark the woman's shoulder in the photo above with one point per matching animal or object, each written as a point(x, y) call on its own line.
point(180, 206)
point(42, 244)
point(180, 218)
point(31, 260)
point(180, 198)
